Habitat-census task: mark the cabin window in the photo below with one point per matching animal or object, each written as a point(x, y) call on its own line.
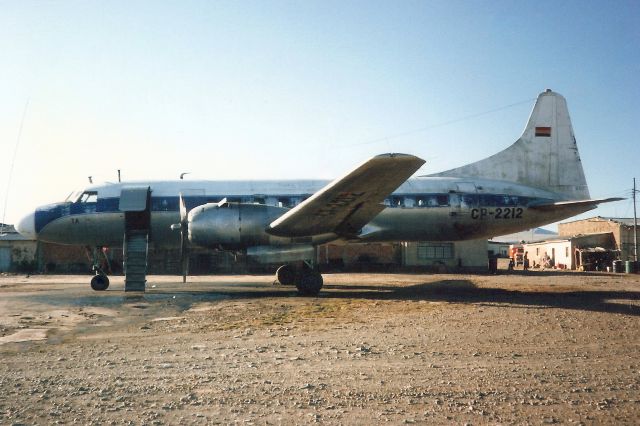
point(284, 202)
point(259, 199)
point(397, 201)
point(432, 200)
point(468, 200)
point(163, 204)
point(442, 200)
point(510, 200)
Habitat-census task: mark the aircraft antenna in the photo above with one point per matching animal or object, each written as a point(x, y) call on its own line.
point(13, 161)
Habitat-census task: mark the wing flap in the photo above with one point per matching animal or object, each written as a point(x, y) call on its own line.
point(345, 205)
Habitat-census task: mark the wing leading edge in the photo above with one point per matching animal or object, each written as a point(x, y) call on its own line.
point(347, 204)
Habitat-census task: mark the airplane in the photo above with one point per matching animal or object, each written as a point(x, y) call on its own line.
point(537, 180)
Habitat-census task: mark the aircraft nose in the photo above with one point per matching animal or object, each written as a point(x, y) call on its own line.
point(27, 226)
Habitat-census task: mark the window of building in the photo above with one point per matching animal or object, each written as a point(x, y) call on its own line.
point(427, 251)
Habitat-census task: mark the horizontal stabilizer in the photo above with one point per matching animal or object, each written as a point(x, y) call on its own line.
point(580, 203)
point(345, 205)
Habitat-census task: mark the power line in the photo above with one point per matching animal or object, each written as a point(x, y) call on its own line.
point(442, 124)
point(13, 161)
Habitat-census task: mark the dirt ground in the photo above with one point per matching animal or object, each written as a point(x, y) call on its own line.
point(527, 348)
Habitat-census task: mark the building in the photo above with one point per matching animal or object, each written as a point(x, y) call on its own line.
point(471, 255)
point(584, 252)
point(17, 253)
point(621, 228)
point(499, 246)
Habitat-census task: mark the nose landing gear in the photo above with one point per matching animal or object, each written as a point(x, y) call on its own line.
point(100, 281)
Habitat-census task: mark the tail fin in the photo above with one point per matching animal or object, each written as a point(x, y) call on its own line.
point(546, 155)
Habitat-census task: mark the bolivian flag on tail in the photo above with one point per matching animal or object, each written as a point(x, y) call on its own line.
point(543, 131)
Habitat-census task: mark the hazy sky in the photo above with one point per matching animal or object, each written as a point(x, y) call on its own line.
point(292, 89)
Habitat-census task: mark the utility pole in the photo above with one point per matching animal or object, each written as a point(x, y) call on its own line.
point(635, 226)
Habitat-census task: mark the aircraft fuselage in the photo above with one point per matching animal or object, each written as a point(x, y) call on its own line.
point(421, 209)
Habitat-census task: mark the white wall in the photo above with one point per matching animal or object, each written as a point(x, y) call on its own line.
point(563, 253)
point(468, 254)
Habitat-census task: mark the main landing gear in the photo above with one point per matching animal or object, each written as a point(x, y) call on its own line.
point(306, 278)
point(100, 281)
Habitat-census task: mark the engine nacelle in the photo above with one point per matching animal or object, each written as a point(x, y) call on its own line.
point(232, 225)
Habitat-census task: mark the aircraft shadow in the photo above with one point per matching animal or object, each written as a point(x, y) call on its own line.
point(558, 273)
point(465, 292)
point(458, 291)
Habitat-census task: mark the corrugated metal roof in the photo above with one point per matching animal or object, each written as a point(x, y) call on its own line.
point(571, 238)
point(627, 221)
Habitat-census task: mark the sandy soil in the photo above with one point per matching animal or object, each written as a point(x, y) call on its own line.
point(542, 347)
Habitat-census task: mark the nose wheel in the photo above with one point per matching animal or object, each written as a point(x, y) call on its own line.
point(100, 282)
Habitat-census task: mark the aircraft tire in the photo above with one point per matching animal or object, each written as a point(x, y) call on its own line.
point(286, 275)
point(100, 282)
point(309, 283)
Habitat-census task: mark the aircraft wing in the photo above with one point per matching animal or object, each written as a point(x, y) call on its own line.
point(347, 204)
point(580, 203)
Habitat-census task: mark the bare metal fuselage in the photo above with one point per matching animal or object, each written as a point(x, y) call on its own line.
point(422, 209)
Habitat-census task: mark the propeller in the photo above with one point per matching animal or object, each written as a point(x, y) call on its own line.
point(183, 226)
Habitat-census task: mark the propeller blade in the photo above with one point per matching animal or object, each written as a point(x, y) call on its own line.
point(184, 239)
point(184, 260)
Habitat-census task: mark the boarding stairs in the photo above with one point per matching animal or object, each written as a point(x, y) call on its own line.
point(135, 202)
point(136, 247)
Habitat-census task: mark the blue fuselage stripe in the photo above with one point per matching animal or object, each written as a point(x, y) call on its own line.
point(47, 214)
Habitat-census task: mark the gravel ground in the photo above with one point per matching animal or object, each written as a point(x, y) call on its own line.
point(536, 348)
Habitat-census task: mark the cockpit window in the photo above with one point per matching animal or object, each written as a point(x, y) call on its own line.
point(73, 197)
point(89, 197)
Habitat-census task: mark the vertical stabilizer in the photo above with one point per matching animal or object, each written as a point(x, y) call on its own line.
point(546, 155)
